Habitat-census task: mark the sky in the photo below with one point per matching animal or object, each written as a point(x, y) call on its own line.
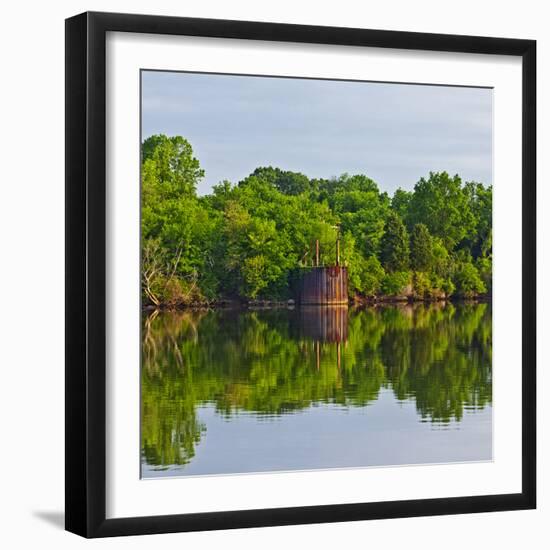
point(393, 133)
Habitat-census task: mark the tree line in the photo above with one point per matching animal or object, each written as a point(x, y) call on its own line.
point(247, 240)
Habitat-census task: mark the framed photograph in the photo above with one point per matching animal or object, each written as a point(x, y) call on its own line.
point(300, 274)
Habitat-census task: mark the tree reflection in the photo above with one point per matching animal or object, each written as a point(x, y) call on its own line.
point(276, 362)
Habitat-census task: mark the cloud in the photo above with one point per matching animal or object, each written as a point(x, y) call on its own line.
point(395, 133)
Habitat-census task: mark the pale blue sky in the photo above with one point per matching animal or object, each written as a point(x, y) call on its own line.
point(394, 133)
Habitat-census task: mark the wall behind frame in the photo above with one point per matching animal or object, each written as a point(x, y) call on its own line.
point(31, 277)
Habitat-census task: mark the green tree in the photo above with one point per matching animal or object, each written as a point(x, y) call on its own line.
point(479, 241)
point(178, 233)
point(421, 250)
point(468, 281)
point(395, 283)
point(484, 267)
point(245, 241)
point(400, 202)
point(394, 245)
point(372, 275)
point(361, 208)
point(443, 205)
point(328, 188)
point(169, 167)
point(289, 183)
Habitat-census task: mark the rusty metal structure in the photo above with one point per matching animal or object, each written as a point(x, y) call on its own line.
point(323, 286)
point(322, 293)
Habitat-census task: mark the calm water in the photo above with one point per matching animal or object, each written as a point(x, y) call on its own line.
point(232, 391)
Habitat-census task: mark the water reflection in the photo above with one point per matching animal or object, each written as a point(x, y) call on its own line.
point(270, 364)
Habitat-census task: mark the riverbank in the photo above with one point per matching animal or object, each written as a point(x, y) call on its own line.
point(356, 301)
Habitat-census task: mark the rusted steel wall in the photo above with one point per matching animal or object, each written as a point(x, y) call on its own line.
point(324, 286)
point(324, 324)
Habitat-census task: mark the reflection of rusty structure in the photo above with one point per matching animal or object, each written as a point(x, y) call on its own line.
point(324, 286)
point(324, 325)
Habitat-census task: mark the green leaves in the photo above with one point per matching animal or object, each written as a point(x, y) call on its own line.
point(244, 241)
point(441, 203)
point(467, 280)
point(396, 283)
point(394, 246)
point(421, 248)
point(169, 167)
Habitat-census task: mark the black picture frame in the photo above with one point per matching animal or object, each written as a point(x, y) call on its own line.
point(86, 275)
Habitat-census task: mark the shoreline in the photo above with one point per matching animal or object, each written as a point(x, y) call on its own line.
point(292, 304)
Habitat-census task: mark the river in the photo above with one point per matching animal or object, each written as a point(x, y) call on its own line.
point(238, 391)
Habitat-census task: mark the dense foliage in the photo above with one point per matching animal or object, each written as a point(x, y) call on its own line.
point(247, 240)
